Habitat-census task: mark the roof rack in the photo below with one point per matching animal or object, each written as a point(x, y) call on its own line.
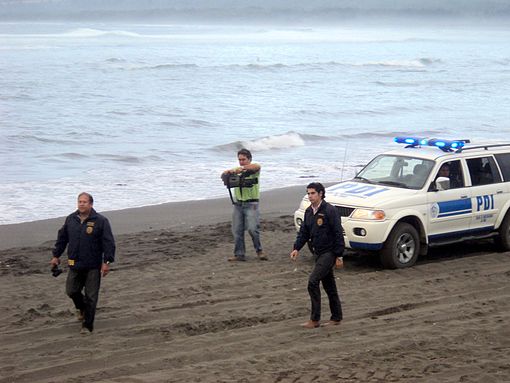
point(486, 147)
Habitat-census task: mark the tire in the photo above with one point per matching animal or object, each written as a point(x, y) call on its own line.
point(503, 239)
point(402, 247)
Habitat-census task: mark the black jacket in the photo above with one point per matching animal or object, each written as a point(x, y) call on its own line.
point(89, 244)
point(324, 230)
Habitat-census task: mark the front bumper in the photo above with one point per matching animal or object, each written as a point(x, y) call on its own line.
point(358, 235)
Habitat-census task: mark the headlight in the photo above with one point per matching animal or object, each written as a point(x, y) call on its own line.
point(305, 202)
point(373, 215)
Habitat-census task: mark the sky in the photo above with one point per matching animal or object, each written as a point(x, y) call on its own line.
point(242, 10)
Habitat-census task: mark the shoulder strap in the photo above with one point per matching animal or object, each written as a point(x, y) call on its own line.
point(230, 193)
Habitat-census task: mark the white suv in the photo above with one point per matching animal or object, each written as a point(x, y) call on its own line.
point(431, 192)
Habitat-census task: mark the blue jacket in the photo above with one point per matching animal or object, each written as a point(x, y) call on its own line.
point(89, 244)
point(324, 230)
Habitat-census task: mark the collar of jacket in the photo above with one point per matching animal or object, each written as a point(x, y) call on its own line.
point(93, 214)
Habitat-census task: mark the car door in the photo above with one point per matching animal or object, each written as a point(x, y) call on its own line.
point(450, 210)
point(487, 193)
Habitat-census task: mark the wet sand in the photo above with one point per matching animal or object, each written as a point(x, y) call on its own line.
point(174, 310)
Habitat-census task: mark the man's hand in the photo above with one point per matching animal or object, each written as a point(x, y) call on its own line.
point(339, 263)
point(54, 261)
point(105, 269)
point(233, 171)
point(294, 254)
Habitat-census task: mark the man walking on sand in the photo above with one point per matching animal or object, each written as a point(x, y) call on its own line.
point(90, 250)
point(246, 214)
point(321, 225)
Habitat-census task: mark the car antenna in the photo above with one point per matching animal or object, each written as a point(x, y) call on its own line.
point(343, 165)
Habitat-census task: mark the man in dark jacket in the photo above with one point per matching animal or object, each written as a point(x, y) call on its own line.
point(323, 227)
point(90, 250)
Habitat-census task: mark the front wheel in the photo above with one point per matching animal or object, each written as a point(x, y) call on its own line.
point(503, 239)
point(402, 247)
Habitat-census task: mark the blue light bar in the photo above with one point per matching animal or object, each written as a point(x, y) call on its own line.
point(413, 141)
point(444, 145)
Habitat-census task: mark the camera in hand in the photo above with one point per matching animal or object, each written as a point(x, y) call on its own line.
point(231, 180)
point(238, 180)
point(56, 271)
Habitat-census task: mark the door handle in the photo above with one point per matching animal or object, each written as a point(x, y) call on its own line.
point(463, 196)
point(499, 192)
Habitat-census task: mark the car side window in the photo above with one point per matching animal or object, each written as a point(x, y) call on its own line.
point(483, 171)
point(504, 164)
point(453, 171)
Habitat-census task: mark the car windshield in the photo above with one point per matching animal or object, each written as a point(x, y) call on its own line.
point(398, 171)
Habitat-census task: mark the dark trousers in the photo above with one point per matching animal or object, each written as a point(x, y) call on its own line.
point(77, 280)
point(323, 272)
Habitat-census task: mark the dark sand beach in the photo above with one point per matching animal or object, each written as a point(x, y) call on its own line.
point(174, 310)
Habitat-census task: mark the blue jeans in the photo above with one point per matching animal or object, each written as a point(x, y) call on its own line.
point(246, 217)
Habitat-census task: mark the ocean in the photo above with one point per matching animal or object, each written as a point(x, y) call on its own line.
point(145, 114)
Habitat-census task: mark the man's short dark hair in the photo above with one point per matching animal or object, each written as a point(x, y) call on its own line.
point(91, 199)
point(318, 187)
point(244, 152)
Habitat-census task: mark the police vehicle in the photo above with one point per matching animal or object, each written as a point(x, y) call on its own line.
point(430, 192)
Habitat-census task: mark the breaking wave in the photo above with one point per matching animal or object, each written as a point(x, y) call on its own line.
point(90, 32)
point(391, 135)
point(294, 139)
point(161, 66)
point(279, 141)
point(413, 63)
point(417, 64)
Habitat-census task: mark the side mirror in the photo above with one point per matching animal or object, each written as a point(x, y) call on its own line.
point(442, 183)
